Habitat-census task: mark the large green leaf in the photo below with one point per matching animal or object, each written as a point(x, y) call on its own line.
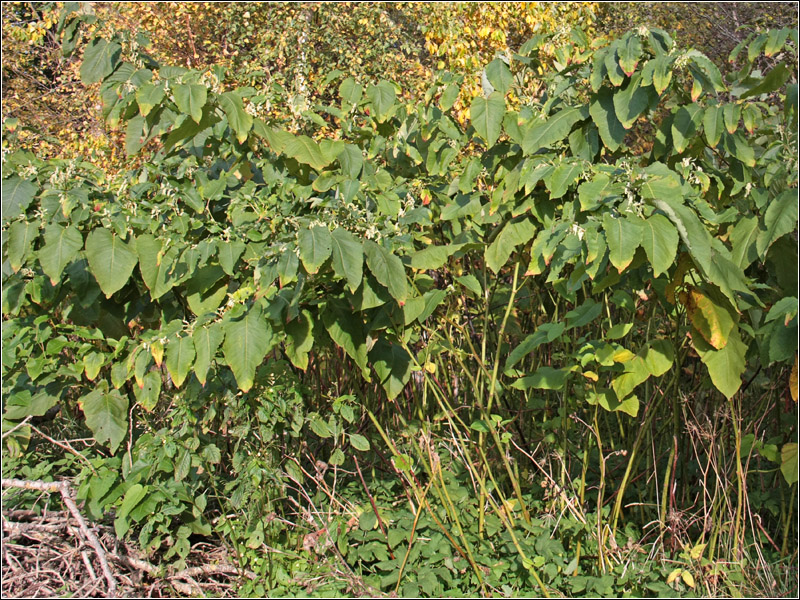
point(660, 181)
point(662, 73)
point(584, 314)
point(348, 257)
point(92, 363)
point(148, 391)
point(449, 97)
point(684, 125)
point(305, 150)
point(238, 118)
point(663, 190)
point(20, 242)
point(789, 462)
point(188, 133)
point(247, 341)
point(608, 400)
point(288, 263)
point(191, 98)
point(554, 129)
point(592, 193)
point(636, 373)
point(229, 253)
point(623, 236)
point(17, 196)
point(347, 331)
point(149, 96)
point(276, 138)
point(180, 358)
point(299, 339)
point(655, 360)
point(99, 60)
point(106, 415)
point(708, 69)
point(545, 333)
point(599, 69)
point(771, 82)
point(615, 73)
point(434, 257)
point(738, 146)
point(206, 290)
point(731, 113)
point(658, 357)
point(392, 364)
point(383, 97)
point(515, 233)
point(499, 75)
point(350, 91)
point(728, 277)
point(133, 496)
point(315, 247)
point(61, 246)
point(370, 294)
point(660, 242)
point(601, 109)
point(111, 260)
point(564, 175)
point(629, 54)
point(20, 404)
point(631, 101)
point(352, 160)
point(782, 341)
point(776, 38)
point(725, 366)
point(331, 149)
point(780, 219)
point(135, 135)
point(545, 378)
point(486, 116)
point(713, 124)
point(160, 270)
point(743, 238)
point(206, 340)
point(430, 300)
point(388, 270)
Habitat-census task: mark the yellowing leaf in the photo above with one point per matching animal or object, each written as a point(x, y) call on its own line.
point(688, 579)
point(793, 380)
point(674, 575)
point(697, 551)
point(157, 350)
point(709, 316)
point(622, 355)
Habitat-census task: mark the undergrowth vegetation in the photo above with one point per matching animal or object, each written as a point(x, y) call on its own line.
point(549, 349)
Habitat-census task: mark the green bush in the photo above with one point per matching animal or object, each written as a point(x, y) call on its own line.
point(245, 316)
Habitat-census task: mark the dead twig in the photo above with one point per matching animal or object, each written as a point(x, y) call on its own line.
point(64, 446)
point(15, 427)
point(64, 488)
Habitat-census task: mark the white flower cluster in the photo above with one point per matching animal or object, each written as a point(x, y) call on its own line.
point(211, 80)
point(693, 172)
point(26, 172)
point(61, 176)
point(251, 109)
point(681, 61)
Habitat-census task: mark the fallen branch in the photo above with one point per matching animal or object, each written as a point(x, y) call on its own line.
point(65, 490)
point(17, 426)
point(64, 446)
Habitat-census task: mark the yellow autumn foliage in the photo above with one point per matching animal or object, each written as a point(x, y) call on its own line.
point(284, 51)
